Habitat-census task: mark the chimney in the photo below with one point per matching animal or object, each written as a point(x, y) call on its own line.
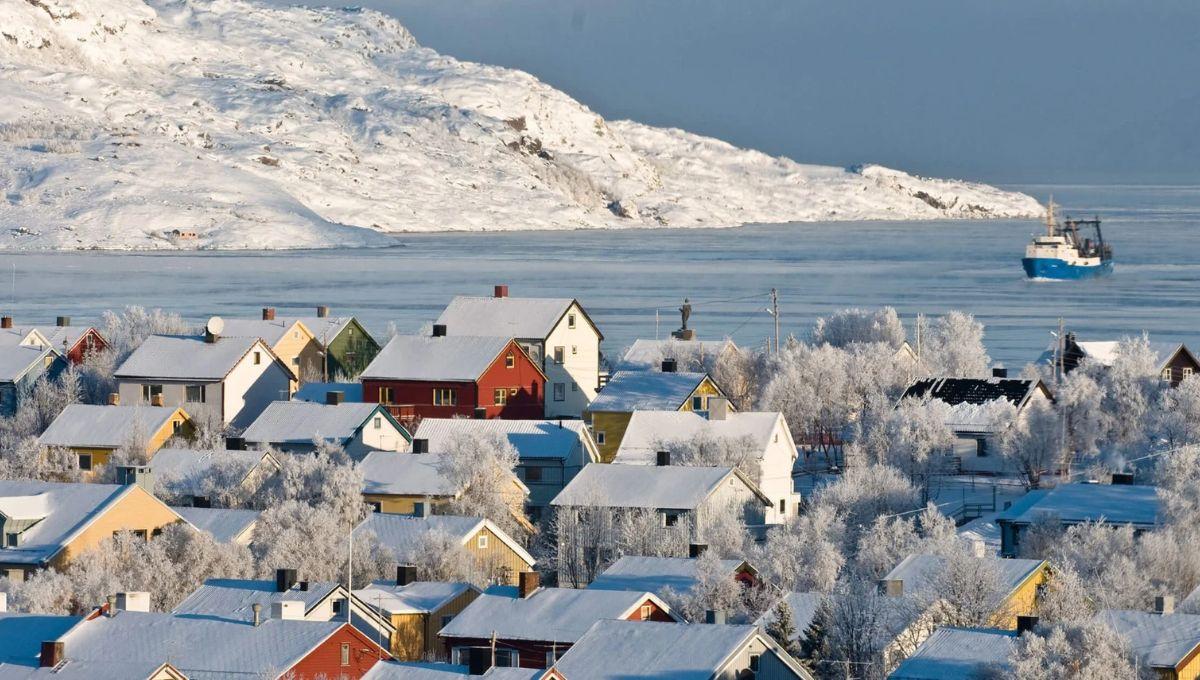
point(406, 574)
point(500, 291)
point(480, 413)
point(479, 660)
point(5, 322)
point(268, 313)
point(1026, 624)
point(322, 311)
point(1164, 604)
point(696, 550)
point(156, 400)
point(420, 445)
point(891, 587)
point(714, 616)
point(235, 443)
point(136, 601)
point(257, 609)
point(662, 458)
point(304, 586)
point(669, 365)
point(1122, 478)
point(527, 583)
point(114, 399)
point(140, 475)
point(287, 610)
point(718, 408)
point(334, 397)
point(62, 321)
point(999, 372)
point(53, 653)
point(439, 330)
point(284, 580)
point(419, 509)
point(111, 600)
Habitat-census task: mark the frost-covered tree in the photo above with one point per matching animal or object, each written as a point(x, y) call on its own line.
point(220, 483)
point(38, 404)
point(862, 494)
point(918, 440)
point(483, 466)
point(329, 481)
point(28, 459)
point(126, 330)
point(1081, 401)
point(970, 591)
point(1086, 649)
point(1175, 419)
point(810, 387)
point(1130, 383)
point(852, 326)
point(850, 632)
point(309, 539)
point(1033, 444)
point(585, 545)
point(439, 556)
point(782, 628)
point(805, 554)
point(953, 347)
point(740, 373)
point(884, 545)
point(715, 589)
point(706, 449)
point(46, 591)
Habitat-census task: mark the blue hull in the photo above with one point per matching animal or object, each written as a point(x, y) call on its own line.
point(1049, 268)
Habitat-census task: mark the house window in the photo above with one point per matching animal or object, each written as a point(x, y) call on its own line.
point(782, 506)
point(194, 394)
point(574, 349)
point(754, 662)
point(387, 395)
point(560, 355)
point(499, 396)
point(345, 653)
point(151, 391)
point(560, 391)
point(697, 403)
point(533, 473)
point(257, 358)
point(574, 387)
point(600, 436)
point(12, 540)
point(176, 426)
point(376, 506)
point(85, 461)
point(482, 542)
point(378, 422)
point(1187, 372)
point(507, 658)
point(670, 519)
point(445, 396)
point(570, 321)
point(646, 612)
point(510, 361)
point(1166, 374)
point(141, 533)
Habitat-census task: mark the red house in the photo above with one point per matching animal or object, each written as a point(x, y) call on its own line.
point(439, 377)
point(76, 343)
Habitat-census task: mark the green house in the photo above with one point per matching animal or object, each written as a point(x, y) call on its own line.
point(348, 347)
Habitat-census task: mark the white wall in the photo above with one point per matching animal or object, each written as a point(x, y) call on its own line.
point(580, 371)
point(775, 472)
point(386, 438)
point(250, 387)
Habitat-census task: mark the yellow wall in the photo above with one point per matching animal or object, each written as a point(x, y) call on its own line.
point(1188, 670)
point(416, 634)
point(136, 510)
point(497, 553)
point(707, 388)
point(156, 441)
point(613, 424)
point(305, 348)
point(403, 505)
point(1023, 601)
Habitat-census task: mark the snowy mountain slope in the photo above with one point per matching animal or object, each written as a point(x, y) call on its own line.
point(259, 127)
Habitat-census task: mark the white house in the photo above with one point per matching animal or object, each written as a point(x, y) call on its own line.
point(762, 435)
point(557, 334)
point(358, 428)
point(234, 377)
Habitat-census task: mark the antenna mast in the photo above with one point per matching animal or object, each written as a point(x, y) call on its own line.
point(1050, 217)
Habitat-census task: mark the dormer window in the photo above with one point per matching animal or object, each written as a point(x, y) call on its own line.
point(12, 539)
point(570, 321)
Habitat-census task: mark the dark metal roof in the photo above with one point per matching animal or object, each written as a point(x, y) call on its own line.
point(972, 390)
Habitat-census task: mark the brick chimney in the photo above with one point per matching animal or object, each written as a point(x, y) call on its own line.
point(891, 587)
point(322, 311)
point(114, 398)
point(5, 322)
point(527, 584)
point(669, 365)
point(53, 653)
point(268, 313)
point(420, 445)
point(156, 400)
point(334, 397)
point(62, 321)
point(500, 291)
point(1164, 604)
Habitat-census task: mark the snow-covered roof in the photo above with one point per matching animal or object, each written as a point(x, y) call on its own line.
point(60, 336)
point(225, 525)
point(650, 649)
point(548, 614)
point(270, 331)
point(560, 439)
point(654, 574)
point(648, 355)
point(318, 391)
point(1076, 503)
point(955, 653)
point(919, 571)
point(69, 508)
point(16, 360)
point(299, 422)
point(965, 417)
point(420, 597)
point(804, 607)
point(233, 600)
point(89, 425)
point(323, 328)
point(176, 357)
point(648, 430)
point(402, 534)
point(510, 317)
point(1159, 640)
point(22, 636)
point(404, 474)
point(416, 670)
point(170, 463)
point(420, 357)
point(1104, 352)
point(639, 486)
point(629, 391)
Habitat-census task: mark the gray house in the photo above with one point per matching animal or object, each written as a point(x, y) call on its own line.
point(24, 357)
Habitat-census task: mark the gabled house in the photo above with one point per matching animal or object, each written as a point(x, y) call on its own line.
point(657, 574)
point(225, 525)
point(494, 550)
point(1166, 642)
point(556, 333)
point(629, 391)
point(346, 345)
point(442, 377)
point(531, 627)
point(1173, 360)
point(417, 610)
point(75, 343)
point(289, 339)
point(613, 649)
point(550, 452)
point(1071, 504)
point(358, 428)
point(762, 437)
point(953, 653)
point(285, 598)
point(94, 433)
point(23, 359)
point(196, 478)
point(236, 378)
point(689, 355)
point(48, 524)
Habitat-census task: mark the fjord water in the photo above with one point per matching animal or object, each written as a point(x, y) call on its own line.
point(623, 277)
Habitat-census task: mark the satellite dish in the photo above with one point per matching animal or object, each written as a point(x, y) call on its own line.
point(215, 325)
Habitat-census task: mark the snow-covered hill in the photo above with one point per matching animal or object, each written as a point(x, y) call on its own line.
point(122, 121)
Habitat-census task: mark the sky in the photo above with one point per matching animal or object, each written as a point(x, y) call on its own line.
point(1017, 91)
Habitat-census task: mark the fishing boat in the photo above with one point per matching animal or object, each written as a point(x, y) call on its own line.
point(1063, 254)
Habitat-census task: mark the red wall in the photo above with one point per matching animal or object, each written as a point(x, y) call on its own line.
point(326, 660)
point(89, 343)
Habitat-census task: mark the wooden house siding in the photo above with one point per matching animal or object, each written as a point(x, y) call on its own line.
point(326, 660)
point(299, 351)
point(1182, 362)
point(497, 554)
point(1023, 601)
point(350, 351)
point(416, 636)
point(614, 423)
point(100, 455)
point(88, 344)
point(136, 511)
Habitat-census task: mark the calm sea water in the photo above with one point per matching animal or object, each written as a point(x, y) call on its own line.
point(624, 277)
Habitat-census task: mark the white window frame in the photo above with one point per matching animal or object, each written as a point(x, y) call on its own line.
point(560, 355)
point(481, 541)
point(571, 320)
point(600, 436)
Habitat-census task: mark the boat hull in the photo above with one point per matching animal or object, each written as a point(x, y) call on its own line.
point(1053, 268)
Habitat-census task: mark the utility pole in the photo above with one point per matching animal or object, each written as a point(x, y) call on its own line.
point(1059, 374)
point(349, 572)
point(920, 325)
point(775, 313)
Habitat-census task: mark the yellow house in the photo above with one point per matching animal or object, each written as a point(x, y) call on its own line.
point(93, 433)
point(1162, 640)
point(49, 524)
point(289, 339)
point(629, 391)
point(417, 610)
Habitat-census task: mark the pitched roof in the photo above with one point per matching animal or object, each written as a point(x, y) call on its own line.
point(419, 357)
point(23, 635)
point(104, 426)
point(58, 336)
point(414, 670)
point(1161, 641)
point(299, 422)
point(640, 486)
point(323, 328)
point(648, 430)
point(317, 391)
point(629, 391)
point(420, 597)
point(974, 390)
point(16, 360)
point(404, 474)
point(680, 651)
point(225, 525)
point(270, 331)
point(1105, 352)
point(549, 614)
point(1076, 503)
point(919, 571)
point(655, 574)
point(232, 600)
point(176, 357)
point(402, 534)
point(647, 355)
point(526, 318)
point(197, 465)
point(804, 608)
point(559, 439)
point(954, 653)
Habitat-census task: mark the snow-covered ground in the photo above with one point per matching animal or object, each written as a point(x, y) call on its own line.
point(257, 127)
